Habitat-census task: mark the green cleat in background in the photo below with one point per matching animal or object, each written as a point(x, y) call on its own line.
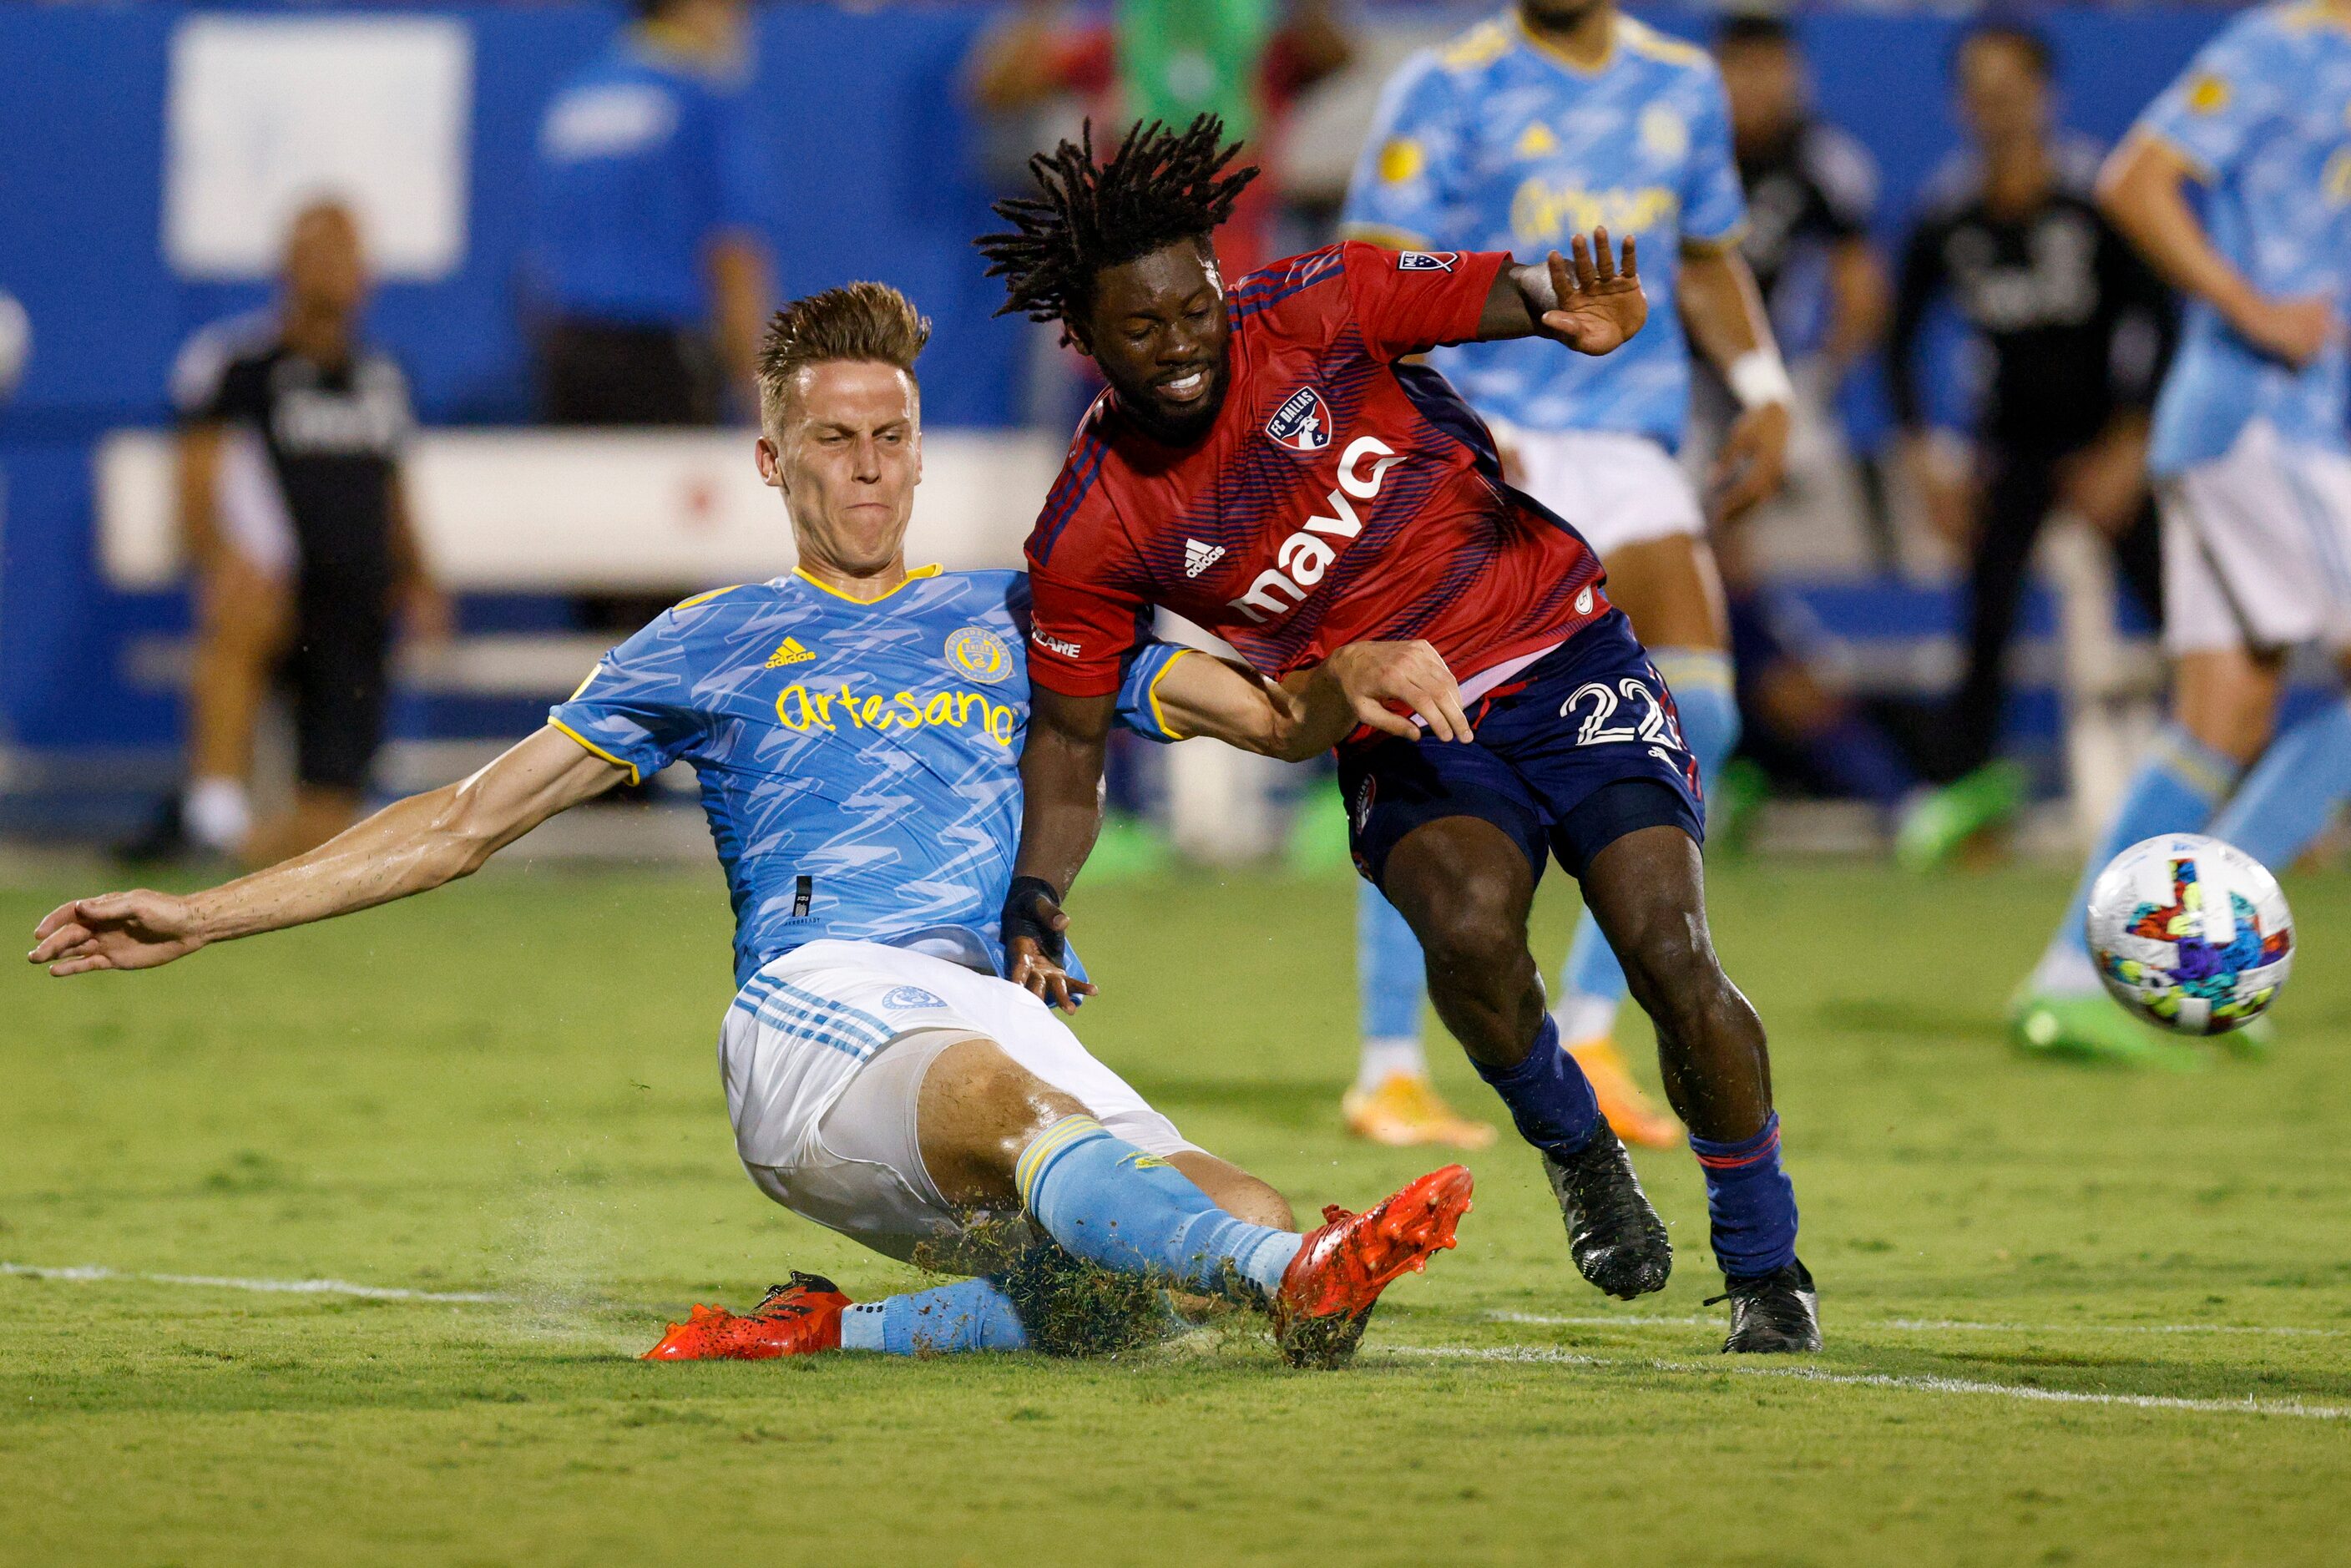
point(1938, 824)
point(2089, 1028)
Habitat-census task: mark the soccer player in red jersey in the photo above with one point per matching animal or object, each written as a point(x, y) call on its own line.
point(1266, 463)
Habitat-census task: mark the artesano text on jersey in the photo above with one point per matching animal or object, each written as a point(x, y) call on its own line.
point(1340, 496)
point(859, 762)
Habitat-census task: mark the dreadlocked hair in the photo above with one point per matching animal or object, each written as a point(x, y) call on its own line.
point(1160, 187)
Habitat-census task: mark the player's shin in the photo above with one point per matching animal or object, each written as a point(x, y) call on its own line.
point(969, 1315)
point(2174, 791)
point(1112, 1203)
point(1749, 1203)
point(2292, 792)
point(1551, 1100)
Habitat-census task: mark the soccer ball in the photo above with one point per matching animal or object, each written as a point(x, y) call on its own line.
point(2190, 934)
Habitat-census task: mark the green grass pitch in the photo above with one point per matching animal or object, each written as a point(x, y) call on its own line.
point(509, 1089)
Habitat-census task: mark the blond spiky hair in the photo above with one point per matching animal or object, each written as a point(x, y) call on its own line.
point(858, 321)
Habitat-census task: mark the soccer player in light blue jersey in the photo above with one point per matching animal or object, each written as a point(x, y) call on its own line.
point(1555, 118)
point(2249, 457)
point(857, 729)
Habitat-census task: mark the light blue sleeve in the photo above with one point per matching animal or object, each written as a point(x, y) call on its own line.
point(2230, 88)
point(635, 710)
point(1406, 191)
point(1138, 704)
point(1714, 206)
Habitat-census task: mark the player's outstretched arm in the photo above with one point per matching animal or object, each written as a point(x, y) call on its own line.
point(1593, 303)
point(407, 847)
point(1310, 712)
point(2142, 190)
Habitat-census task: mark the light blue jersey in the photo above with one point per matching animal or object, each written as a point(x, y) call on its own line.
point(2263, 113)
point(860, 763)
point(1496, 143)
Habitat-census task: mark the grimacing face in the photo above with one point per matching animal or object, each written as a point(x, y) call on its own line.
point(847, 453)
point(1159, 330)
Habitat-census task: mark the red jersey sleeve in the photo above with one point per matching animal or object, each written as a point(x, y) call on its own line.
point(1084, 618)
point(1409, 301)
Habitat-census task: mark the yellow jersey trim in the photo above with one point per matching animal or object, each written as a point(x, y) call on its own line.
point(1385, 237)
point(1159, 715)
point(1487, 41)
point(914, 576)
point(615, 761)
point(705, 598)
point(586, 681)
point(1643, 39)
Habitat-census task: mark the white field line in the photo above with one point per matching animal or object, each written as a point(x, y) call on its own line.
point(2245, 1406)
point(1935, 1325)
point(91, 1271)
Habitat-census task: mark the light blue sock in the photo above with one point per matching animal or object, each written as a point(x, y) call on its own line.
point(2285, 801)
point(2174, 791)
point(1592, 986)
point(1109, 1203)
point(970, 1314)
point(1392, 984)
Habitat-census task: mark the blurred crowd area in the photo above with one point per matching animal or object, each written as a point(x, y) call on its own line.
point(579, 217)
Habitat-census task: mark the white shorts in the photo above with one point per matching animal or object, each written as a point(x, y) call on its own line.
point(2257, 547)
point(823, 1053)
point(1617, 489)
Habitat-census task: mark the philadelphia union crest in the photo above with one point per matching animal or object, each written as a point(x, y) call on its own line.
point(1302, 423)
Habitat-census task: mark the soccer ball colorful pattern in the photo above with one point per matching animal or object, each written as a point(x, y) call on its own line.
point(2190, 934)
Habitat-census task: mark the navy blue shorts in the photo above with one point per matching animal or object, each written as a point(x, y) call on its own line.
point(1574, 752)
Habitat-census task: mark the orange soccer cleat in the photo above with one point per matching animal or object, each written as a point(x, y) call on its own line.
point(798, 1319)
point(1630, 1111)
point(1406, 1110)
point(1328, 1292)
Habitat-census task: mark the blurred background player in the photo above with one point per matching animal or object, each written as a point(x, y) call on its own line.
point(2075, 329)
point(648, 269)
point(1811, 192)
point(2250, 459)
point(1244, 61)
point(1562, 116)
point(296, 531)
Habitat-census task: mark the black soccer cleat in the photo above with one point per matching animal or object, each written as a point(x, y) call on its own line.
point(1618, 1241)
point(1777, 1314)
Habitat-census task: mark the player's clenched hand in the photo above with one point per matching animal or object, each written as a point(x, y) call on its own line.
point(1373, 675)
point(135, 930)
point(1601, 303)
point(1034, 951)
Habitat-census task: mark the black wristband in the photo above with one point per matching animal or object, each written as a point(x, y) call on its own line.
point(1026, 906)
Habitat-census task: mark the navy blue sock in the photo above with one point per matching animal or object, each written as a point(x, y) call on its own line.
point(1549, 1096)
point(1750, 1202)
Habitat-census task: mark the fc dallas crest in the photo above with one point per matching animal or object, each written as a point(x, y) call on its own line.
point(1302, 423)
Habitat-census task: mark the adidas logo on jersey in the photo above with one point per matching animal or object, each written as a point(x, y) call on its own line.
point(1198, 558)
point(1302, 423)
point(1307, 554)
point(789, 652)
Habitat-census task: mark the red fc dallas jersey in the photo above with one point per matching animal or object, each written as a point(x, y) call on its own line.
point(1339, 496)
